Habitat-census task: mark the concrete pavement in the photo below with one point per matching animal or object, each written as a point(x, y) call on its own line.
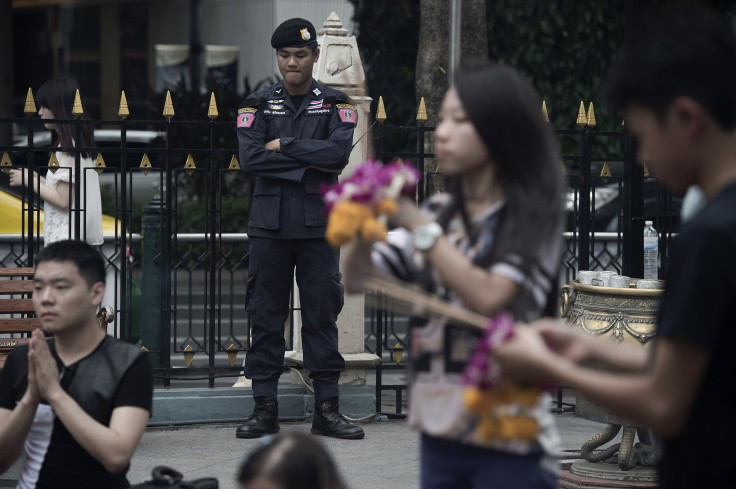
point(387, 457)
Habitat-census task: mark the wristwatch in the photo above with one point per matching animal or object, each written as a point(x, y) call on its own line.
point(425, 236)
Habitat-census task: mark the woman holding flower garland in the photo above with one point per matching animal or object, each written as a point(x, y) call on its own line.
point(492, 243)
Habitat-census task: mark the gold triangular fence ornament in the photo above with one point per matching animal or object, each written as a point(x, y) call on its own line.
point(6, 164)
point(77, 109)
point(544, 111)
point(232, 354)
point(212, 111)
point(144, 348)
point(168, 106)
point(145, 164)
point(188, 357)
point(582, 118)
point(123, 111)
point(100, 164)
point(189, 166)
point(591, 115)
point(422, 112)
point(30, 107)
point(381, 111)
point(53, 163)
point(646, 171)
point(398, 352)
point(564, 169)
point(605, 172)
point(234, 165)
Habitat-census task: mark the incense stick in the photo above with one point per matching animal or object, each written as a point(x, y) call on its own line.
point(423, 304)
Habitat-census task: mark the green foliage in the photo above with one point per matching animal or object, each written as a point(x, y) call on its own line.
point(562, 47)
point(388, 35)
point(568, 46)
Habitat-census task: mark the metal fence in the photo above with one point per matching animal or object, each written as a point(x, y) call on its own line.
point(178, 262)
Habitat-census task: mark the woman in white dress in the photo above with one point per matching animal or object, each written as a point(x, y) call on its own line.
point(56, 99)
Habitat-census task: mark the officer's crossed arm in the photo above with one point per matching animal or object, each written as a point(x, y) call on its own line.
point(257, 159)
point(329, 154)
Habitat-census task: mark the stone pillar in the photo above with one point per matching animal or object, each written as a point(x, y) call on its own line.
point(340, 67)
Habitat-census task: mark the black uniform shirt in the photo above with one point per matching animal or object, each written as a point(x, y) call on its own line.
point(287, 199)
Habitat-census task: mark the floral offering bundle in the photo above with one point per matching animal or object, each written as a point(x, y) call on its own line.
point(504, 409)
point(358, 205)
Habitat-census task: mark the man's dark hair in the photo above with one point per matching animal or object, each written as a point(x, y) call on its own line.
point(689, 50)
point(87, 258)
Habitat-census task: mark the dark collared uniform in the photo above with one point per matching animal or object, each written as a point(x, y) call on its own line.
point(287, 226)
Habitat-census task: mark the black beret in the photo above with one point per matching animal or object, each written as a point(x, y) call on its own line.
point(293, 33)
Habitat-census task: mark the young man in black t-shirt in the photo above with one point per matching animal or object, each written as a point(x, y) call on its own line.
point(676, 84)
point(77, 404)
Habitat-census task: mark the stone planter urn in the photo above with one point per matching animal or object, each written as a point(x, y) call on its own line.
point(625, 316)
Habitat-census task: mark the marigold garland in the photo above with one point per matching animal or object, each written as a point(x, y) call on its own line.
point(504, 409)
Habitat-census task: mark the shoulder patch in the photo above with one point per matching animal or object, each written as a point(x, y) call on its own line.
point(348, 113)
point(246, 117)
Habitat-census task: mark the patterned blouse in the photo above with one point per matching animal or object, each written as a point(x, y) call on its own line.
point(439, 351)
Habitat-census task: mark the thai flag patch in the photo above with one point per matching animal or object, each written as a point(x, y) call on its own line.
point(347, 113)
point(315, 104)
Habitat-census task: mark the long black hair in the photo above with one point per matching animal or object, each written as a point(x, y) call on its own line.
point(507, 113)
point(292, 461)
point(58, 95)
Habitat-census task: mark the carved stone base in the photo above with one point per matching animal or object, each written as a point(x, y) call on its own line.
point(589, 475)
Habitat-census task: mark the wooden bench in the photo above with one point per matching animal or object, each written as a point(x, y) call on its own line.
point(15, 299)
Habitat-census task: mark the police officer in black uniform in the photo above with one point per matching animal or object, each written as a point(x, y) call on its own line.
point(294, 137)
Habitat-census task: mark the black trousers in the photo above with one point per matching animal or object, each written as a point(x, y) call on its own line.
point(270, 277)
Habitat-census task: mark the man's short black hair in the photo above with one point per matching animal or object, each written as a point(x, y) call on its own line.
point(87, 258)
point(683, 51)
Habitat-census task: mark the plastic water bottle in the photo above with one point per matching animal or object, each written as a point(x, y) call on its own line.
point(651, 250)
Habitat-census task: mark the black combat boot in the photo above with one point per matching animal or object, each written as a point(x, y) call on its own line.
point(263, 421)
point(329, 422)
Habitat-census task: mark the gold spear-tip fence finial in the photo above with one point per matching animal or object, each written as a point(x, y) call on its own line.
point(605, 172)
point(77, 109)
point(189, 166)
point(232, 354)
point(168, 106)
point(145, 165)
point(582, 118)
point(381, 111)
point(53, 163)
point(6, 164)
point(188, 357)
point(422, 112)
point(212, 111)
point(123, 111)
point(100, 164)
point(398, 352)
point(30, 107)
point(591, 116)
point(544, 111)
point(234, 165)
point(646, 170)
